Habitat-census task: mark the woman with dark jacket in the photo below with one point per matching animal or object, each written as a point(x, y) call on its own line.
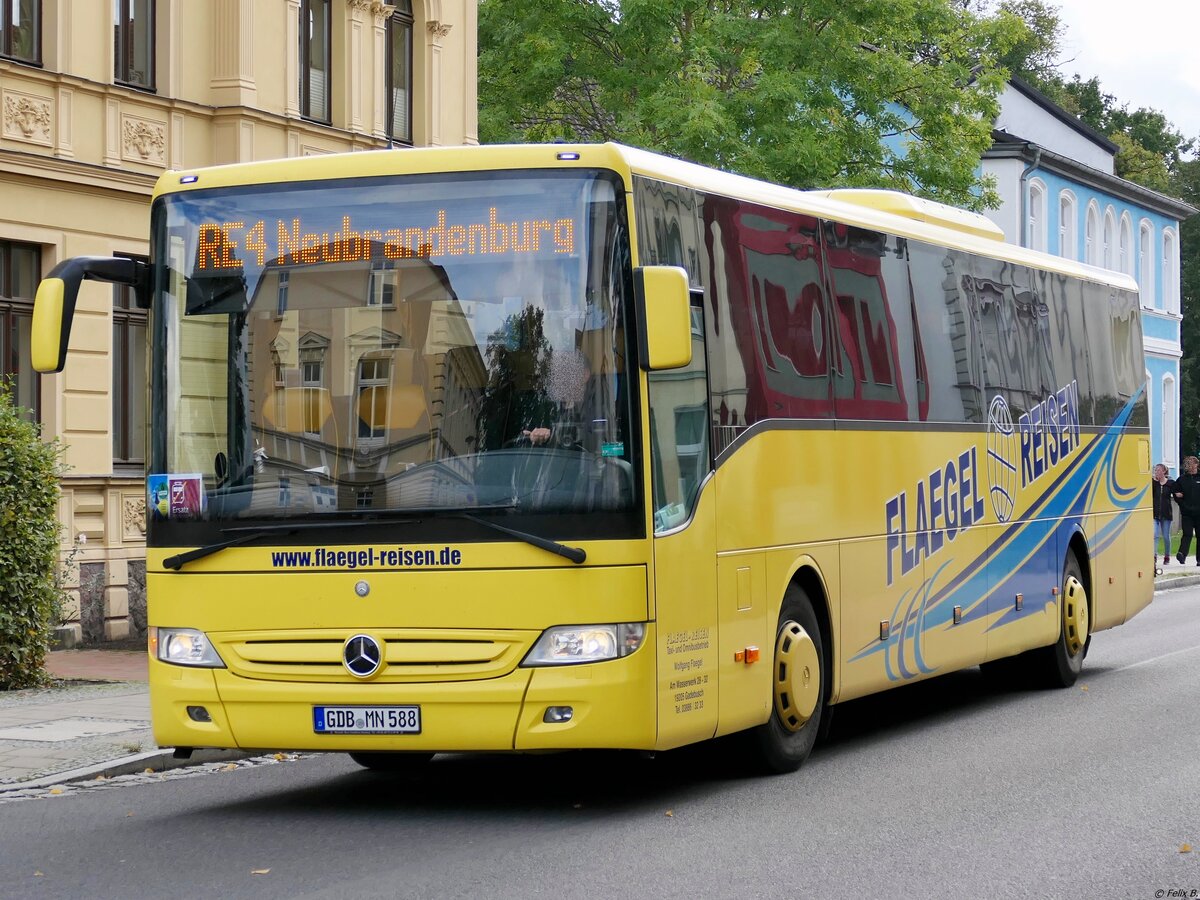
point(1161, 488)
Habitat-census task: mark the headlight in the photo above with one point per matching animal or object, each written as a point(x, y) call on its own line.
point(184, 647)
point(567, 644)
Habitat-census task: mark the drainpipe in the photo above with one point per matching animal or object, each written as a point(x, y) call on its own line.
point(1037, 158)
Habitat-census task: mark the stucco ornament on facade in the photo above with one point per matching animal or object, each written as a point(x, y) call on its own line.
point(133, 516)
point(144, 140)
point(27, 118)
point(377, 8)
point(438, 29)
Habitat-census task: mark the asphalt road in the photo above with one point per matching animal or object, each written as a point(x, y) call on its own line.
point(952, 788)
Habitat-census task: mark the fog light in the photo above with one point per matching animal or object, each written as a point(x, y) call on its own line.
point(198, 714)
point(558, 714)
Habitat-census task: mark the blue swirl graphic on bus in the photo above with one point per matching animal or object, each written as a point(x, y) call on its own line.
point(1024, 554)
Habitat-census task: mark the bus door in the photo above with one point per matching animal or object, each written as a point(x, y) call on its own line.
point(684, 545)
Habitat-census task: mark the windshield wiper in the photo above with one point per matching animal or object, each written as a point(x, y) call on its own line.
point(574, 554)
point(179, 560)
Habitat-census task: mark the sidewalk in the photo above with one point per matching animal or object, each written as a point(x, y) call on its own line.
point(96, 720)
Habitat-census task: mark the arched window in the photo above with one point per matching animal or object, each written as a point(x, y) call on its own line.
point(1068, 243)
point(1125, 246)
point(1091, 235)
point(1170, 272)
point(1110, 238)
point(1170, 416)
point(1146, 263)
point(1036, 225)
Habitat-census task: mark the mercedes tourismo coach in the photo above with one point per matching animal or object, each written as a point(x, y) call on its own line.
point(537, 447)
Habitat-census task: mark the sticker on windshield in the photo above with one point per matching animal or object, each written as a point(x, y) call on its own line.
point(612, 448)
point(175, 496)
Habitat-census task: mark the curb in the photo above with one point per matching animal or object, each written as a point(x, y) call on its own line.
point(158, 760)
point(1176, 581)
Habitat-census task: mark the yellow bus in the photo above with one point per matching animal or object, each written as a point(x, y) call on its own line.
point(574, 446)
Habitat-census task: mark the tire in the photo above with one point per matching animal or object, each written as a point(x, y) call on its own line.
point(393, 763)
point(1059, 665)
point(784, 741)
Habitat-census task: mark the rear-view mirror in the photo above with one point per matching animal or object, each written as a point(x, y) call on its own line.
point(664, 317)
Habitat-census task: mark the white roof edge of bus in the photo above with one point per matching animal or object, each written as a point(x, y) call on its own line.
point(642, 162)
point(827, 204)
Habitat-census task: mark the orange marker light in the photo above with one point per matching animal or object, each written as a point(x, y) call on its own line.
point(739, 655)
point(751, 655)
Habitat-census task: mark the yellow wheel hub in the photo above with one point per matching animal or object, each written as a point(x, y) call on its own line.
point(797, 676)
point(1075, 615)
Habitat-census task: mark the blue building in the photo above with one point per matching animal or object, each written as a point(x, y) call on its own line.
point(1059, 194)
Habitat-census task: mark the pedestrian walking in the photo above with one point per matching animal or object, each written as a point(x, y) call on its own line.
point(1161, 488)
point(1187, 497)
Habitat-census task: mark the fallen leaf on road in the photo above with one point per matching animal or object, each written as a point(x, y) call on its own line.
point(1083, 687)
point(56, 790)
point(670, 813)
point(101, 778)
point(260, 871)
point(128, 814)
point(1185, 848)
point(147, 771)
point(37, 874)
point(229, 768)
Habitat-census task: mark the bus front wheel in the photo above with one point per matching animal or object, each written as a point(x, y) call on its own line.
point(394, 763)
point(1059, 664)
point(799, 689)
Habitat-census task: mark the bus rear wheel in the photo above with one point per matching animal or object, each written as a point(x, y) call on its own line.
point(1059, 664)
point(799, 688)
point(394, 763)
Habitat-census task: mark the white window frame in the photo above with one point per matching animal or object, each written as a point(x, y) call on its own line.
point(1068, 226)
point(1146, 259)
point(1170, 418)
point(1036, 225)
point(1110, 238)
point(1125, 245)
point(1170, 271)
point(1091, 235)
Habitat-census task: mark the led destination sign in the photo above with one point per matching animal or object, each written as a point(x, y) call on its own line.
point(226, 246)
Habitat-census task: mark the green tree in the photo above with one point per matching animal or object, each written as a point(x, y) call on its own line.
point(796, 93)
point(30, 598)
point(1186, 184)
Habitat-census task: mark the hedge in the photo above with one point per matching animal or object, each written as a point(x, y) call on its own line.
point(30, 595)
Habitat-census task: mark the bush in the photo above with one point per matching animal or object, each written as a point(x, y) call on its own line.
point(30, 597)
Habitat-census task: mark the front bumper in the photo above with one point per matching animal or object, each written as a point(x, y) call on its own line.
point(613, 702)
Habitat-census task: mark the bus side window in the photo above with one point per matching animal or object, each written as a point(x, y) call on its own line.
point(874, 365)
point(950, 367)
point(679, 427)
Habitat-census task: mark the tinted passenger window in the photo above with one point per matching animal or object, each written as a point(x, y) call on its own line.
point(1114, 333)
point(948, 334)
point(668, 226)
point(769, 317)
point(874, 365)
point(1067, 336)
point(1015, 322)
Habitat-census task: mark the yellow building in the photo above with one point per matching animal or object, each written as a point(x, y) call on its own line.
point(100, 97)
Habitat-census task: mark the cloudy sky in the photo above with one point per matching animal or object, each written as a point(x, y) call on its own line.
point(1145, 52)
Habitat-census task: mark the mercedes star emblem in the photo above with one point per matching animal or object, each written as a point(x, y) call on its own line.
point(362, 656)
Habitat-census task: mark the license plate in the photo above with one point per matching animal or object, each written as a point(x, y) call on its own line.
point(367, 719)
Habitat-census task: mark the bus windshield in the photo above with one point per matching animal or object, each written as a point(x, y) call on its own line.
point(364, 346)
